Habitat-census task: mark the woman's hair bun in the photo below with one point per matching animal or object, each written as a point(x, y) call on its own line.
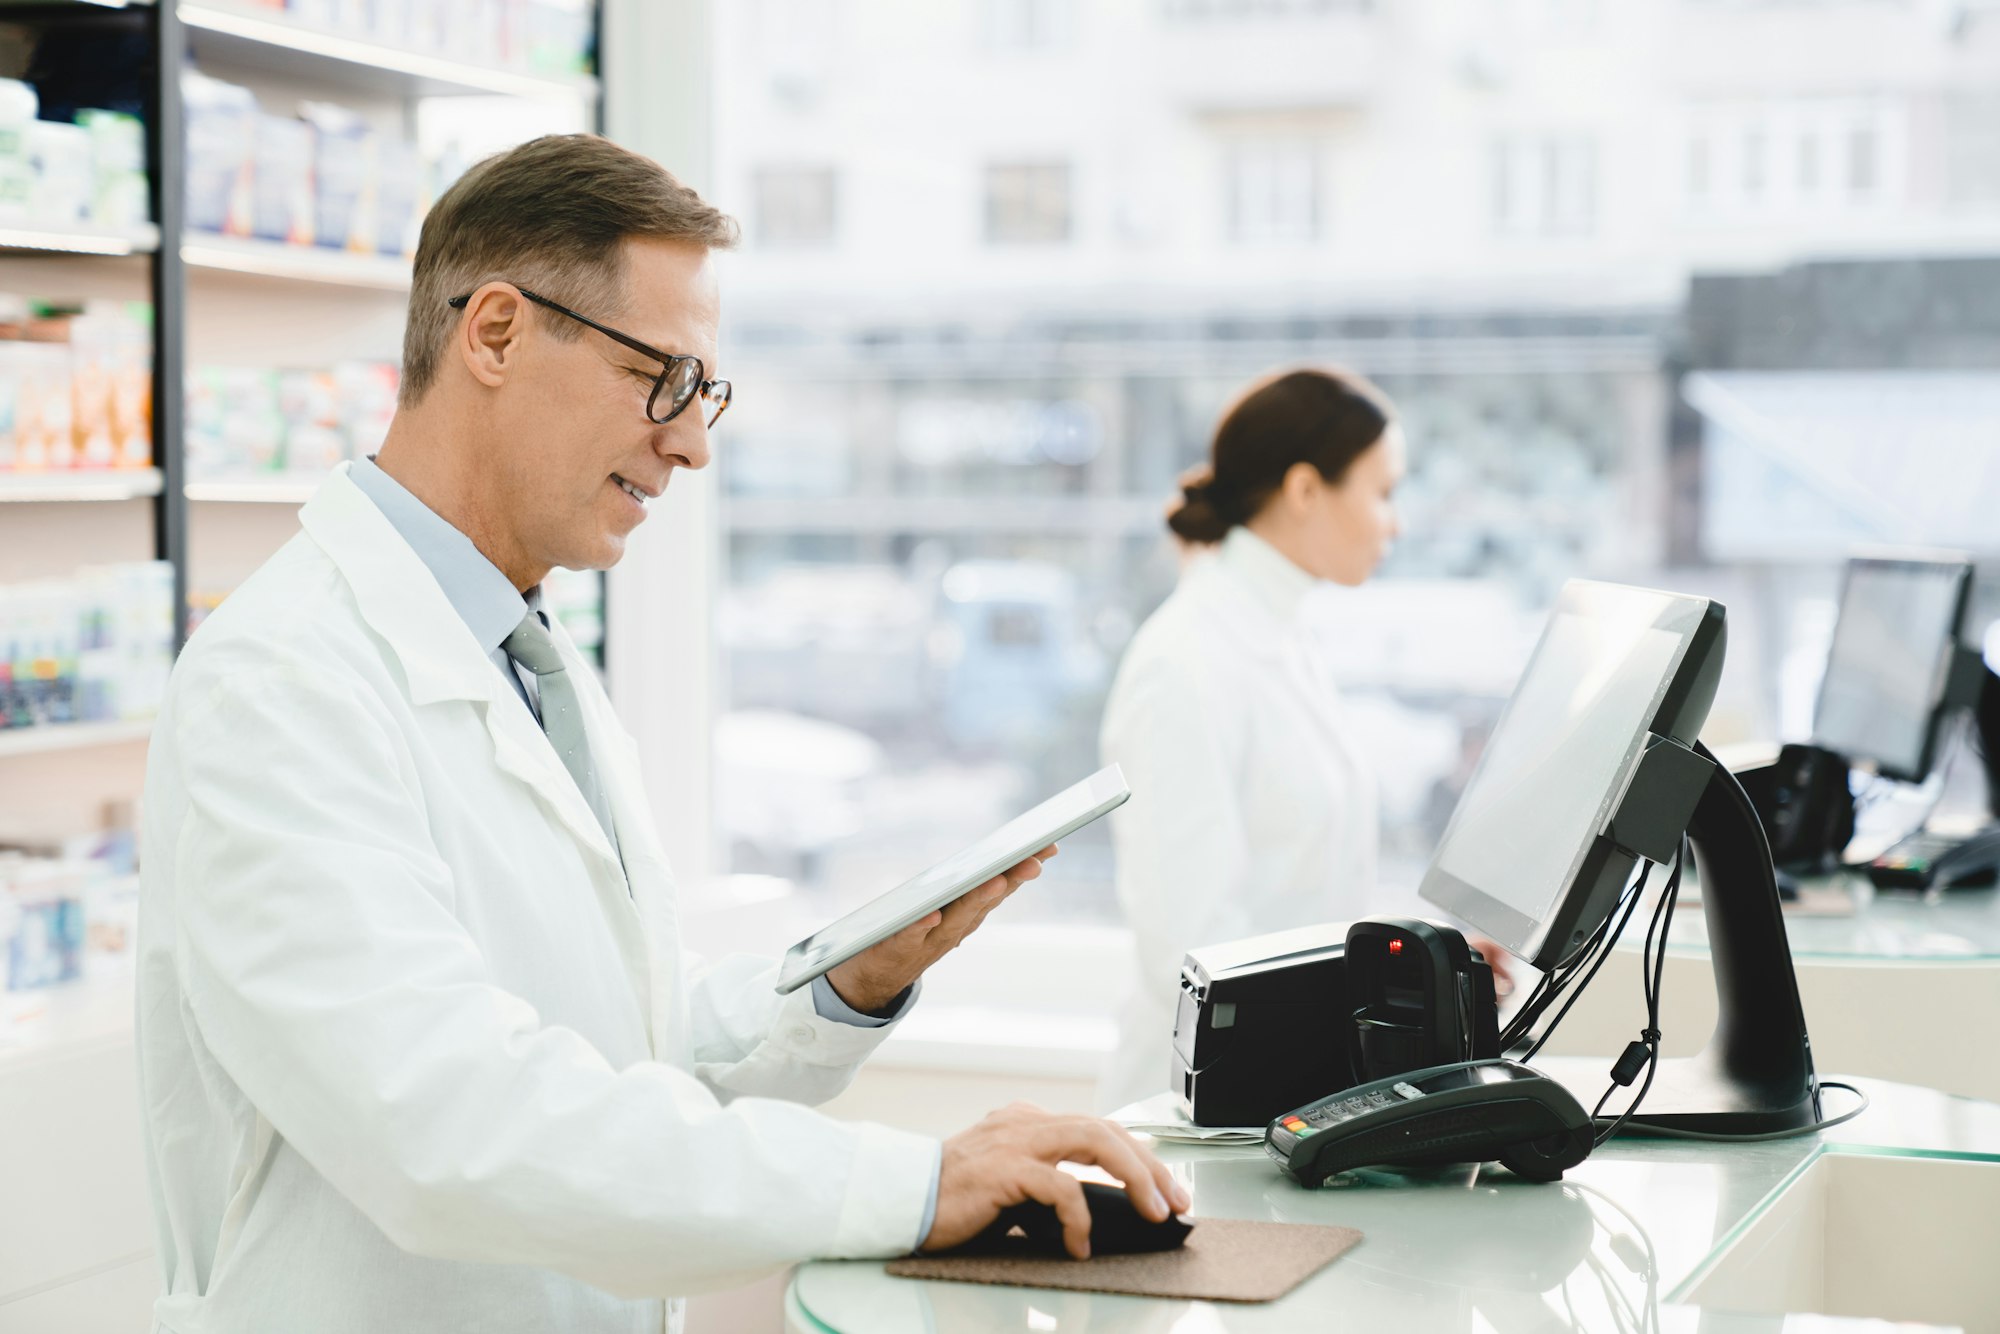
point(1196, 516)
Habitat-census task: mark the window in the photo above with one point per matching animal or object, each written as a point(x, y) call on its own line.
point(1028, 203)
point(1794, 161)
point(1863, 170)
point(794, 206)
point(1544, 185)
point(1972, 148)
point(1752, 161)
point(1809, 163)
point(1273, 191)
point(1699, 170)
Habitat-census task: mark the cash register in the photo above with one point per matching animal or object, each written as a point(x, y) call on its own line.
point(1594, 772)
point(1900, 682)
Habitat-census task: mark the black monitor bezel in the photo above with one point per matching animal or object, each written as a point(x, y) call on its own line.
point(1941, 702)
point(1605, 868)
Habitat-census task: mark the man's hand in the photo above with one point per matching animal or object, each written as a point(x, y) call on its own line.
point(873, 978)
point(1011, 1156)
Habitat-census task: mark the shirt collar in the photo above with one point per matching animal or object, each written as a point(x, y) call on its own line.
point(485, 599)
point(1273, 581)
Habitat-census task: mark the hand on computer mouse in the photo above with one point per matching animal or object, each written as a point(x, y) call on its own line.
point(1011, 1158)
point(1116, 1228)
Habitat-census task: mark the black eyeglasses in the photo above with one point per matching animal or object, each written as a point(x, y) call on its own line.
point(680, 377)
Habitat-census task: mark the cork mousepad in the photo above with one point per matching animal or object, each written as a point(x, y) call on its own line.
point(1223, 1260)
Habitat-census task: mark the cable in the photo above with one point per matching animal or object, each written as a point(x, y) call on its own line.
point(1589, 955)
point(1557, 977)
point(1652, 975)
point(1649, 1263)
point(1631, 902)
point(1794, 1133)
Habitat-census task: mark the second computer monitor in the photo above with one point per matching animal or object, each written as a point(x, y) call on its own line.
point(1884, 693)
point(1526, 858)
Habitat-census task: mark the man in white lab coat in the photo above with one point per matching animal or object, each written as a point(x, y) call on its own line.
point(420, 1049)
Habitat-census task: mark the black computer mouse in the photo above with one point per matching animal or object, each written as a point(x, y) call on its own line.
point(1116, 1228)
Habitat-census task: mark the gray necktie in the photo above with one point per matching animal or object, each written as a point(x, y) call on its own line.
point(562, 715)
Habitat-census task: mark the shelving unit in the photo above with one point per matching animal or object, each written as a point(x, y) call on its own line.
point(288, 48)
point(217, 301)
point(220, 300)
point(252, 490)
point(142, 240)
point(295, 263)
point(47, 487)
point(264, 305)
point(71, 736)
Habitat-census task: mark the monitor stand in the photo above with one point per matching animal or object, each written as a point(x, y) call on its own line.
point(1756, 1073)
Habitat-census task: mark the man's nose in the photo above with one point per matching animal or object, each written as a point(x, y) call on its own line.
point(684, 440)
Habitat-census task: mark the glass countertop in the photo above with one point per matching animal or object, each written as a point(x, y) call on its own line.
point(1449, 1249)
point(1844, 917)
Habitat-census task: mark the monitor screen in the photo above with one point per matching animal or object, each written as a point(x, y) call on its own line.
point(1558, 761)
point(1879, 702)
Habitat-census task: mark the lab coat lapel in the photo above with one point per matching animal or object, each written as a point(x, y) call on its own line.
point(402, 602)
point(649, 875)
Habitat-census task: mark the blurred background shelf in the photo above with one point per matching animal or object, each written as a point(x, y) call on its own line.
point(41, 487)
point(42, 239)
point(296, 263)
point(288, 48)
point(71, 736)
point(254, 490)
point(943, 514)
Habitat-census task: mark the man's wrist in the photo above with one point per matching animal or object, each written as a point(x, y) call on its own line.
point(866, 1000)
point(830, 1004)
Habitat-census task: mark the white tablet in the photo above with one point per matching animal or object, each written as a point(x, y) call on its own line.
point(927, 891)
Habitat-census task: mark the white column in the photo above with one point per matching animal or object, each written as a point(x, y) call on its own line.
point(656, 56)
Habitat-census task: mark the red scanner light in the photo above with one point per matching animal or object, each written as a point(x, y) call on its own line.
point(1395, 944)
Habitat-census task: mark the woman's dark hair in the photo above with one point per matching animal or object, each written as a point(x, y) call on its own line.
point(1325, 418)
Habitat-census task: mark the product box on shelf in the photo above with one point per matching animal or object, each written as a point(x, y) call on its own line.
point(221, 123)
point(18, 105)
point(54, 173)
point(298, 422)
point(329, 177)
point(68, 906)
point(553, 37)
point(42, 921)
point(118, 191)
point(76, 385)
point(93, 648)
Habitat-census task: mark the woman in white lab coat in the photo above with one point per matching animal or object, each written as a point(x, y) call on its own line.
point(1252, 808)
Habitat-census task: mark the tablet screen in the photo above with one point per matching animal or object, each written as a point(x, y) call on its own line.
point(932, 888)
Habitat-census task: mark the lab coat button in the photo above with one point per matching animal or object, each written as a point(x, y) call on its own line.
point(802, 1034)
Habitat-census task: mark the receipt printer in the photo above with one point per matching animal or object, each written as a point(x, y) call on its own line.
point(1274, 1022)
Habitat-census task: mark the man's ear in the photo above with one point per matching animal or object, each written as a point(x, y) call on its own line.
point(491, 333)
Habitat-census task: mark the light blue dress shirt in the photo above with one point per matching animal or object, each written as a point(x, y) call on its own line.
point(489, 604)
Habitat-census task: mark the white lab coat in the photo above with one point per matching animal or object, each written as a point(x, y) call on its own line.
point(1252, 808)
point(411, 1056)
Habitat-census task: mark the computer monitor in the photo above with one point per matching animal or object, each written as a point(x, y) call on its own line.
point(1528, 857)
point(1885, 695)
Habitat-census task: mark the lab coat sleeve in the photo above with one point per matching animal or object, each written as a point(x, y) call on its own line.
point(1180, 841)
point(327, 976)
point(750, 1041)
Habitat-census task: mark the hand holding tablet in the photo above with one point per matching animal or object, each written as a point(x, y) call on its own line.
point(953, 878)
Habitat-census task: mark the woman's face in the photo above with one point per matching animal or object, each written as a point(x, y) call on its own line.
point(1349, 525)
